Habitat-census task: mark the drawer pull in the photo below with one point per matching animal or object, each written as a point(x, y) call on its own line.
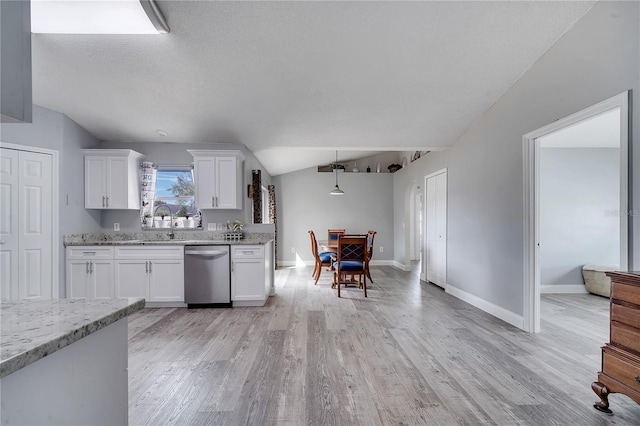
point(638, 379)
point(87, 253)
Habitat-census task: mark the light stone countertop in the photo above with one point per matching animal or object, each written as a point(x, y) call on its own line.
point(31, 330)
point(162, 238)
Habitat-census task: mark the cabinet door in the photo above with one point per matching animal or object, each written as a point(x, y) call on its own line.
point(9, 217)
point(117, 190)
point(102, 282)
point(77, 279)
point(204, 181)
point(166, 281)
point(132, 279)
point(247, 279)
point(95, 182)
point(226, 183)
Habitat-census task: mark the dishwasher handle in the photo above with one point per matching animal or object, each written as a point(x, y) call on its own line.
point(206, 252)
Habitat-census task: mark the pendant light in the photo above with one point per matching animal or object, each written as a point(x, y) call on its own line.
point(336, 190)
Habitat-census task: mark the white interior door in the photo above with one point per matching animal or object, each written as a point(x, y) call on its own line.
point(435, 253)
point(9, 224)
point(35, 228)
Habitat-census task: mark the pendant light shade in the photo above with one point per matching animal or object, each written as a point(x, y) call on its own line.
point(336, 190)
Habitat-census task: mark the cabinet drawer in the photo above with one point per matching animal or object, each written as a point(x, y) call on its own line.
point(625, 336)
point(622, 369)
point(625, 315)
point(150, 252)
point(89, 252)
point(247, 252)
point(626, 293)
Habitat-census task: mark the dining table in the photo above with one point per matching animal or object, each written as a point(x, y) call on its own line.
point(330, 246)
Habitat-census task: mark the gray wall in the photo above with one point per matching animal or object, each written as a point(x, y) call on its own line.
point(176, 154)
point(53, 130)
point(579, 190)
point(304, 204)
point(597, 59)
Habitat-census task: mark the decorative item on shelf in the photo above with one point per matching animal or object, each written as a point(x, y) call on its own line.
point(378, 167)
point(368, 169)
point(234, 231)
point(335, 166)
point(416, 155)
point(355, 168)
point(394, 168)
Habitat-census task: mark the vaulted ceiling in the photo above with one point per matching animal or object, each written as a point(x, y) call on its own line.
point(315, 76)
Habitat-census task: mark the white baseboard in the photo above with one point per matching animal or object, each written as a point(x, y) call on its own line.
point(563, 288)
point(381, 263)
point(310, 263)
point(495, 310)
point(401, 266)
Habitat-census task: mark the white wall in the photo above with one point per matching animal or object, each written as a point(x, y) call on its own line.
point(53, 130)
point(597, 59)
point(176, 154)
point(304, 204)
point(579, 190)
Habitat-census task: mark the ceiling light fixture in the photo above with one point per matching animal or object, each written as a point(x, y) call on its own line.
point(334, 166)
point(97, 17)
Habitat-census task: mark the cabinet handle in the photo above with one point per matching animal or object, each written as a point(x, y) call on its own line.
point(87, 267)
point(91, 267)
point(146, 267)
point(216, 201)
point(107, 201)
point(150, 266)
point(103, 202)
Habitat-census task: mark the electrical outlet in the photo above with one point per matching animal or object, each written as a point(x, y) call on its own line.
point(220, 227)
point(116, 226)
point(211, 226)
point(293, 249)
point(381, 249)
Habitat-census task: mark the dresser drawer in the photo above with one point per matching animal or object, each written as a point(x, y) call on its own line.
point(621, 368)
point(625, 336)
point(626, 293)
point(625, 314)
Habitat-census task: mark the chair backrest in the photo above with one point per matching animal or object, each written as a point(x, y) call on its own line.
point(314, 244)
point(352, 248)
point(370, 236)
point(334, 233)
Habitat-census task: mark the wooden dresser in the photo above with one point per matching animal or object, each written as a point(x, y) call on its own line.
point(621, 356)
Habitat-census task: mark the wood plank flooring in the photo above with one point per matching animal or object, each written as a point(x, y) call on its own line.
point(409, 354)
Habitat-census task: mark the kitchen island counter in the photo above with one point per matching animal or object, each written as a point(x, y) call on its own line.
point(65, 361)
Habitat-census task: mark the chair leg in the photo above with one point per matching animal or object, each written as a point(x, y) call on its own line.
point(338, 281)
point(317, 276)
point(315, 268)
point(369, 274)
point(364, 284)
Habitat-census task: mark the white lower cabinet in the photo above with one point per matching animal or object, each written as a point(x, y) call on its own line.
point(251, 274)
point(89, 272)
point(155, 273)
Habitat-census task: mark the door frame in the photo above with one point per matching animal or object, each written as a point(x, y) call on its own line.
point(55, 210)
point(423, 263)
point(531, 181)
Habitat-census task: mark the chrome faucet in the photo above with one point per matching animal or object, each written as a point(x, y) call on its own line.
point(155, 211)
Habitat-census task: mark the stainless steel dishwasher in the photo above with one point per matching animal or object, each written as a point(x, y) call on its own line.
point(207, 279)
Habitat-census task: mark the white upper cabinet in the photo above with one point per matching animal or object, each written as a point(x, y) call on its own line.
point(218, 179)
point(112, 179)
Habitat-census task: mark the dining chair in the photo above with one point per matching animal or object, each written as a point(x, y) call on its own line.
point(321, 259)
point(370, 236)
point(351, 260)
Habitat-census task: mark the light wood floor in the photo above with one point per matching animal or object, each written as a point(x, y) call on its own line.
point(408, 354)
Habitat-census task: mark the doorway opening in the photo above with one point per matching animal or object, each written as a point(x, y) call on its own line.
point(576, 200)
